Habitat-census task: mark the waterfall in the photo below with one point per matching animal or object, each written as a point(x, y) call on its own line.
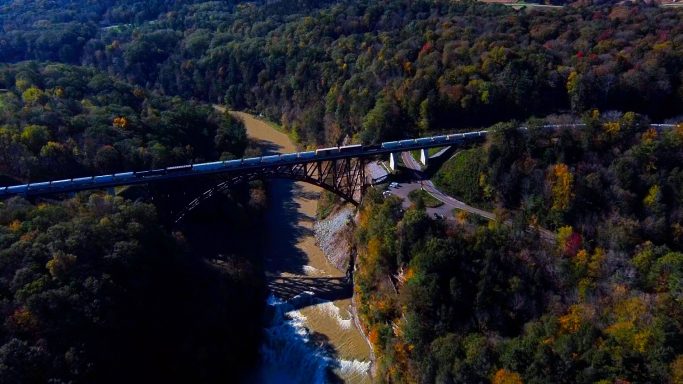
point(289, 352)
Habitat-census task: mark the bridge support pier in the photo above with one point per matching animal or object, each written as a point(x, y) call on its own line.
point(424, 156)
point(392, 161)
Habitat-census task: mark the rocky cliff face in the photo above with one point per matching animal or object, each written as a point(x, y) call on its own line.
point(334, 236)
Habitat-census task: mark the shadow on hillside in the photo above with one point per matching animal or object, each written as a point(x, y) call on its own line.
point(322, 288)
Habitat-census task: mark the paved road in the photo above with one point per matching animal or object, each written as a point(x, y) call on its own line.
point(449, 203)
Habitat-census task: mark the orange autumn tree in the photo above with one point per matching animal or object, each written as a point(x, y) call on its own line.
point(120, 122)
point(503, 376)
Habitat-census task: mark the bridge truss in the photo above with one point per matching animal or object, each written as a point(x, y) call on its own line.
point(345, 177)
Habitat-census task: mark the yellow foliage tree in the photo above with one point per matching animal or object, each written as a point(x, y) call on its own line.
point(15, 226)
point(612, 127)
point(571, 322)
point(677, 370)
point(503, 376)
point(374, 249)
point(596, 262)
point(576, 315)
point(33, 95)
point(572, 82)
point(631, 309)
point(581, 258)
point(649, 136)
point(22, 84)
point(561, 182)
point(653, 196)
point(60, 264)
point(24, 319)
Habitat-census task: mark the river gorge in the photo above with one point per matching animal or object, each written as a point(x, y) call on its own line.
point(311, 337)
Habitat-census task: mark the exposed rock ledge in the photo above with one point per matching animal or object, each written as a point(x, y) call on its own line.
point(334, 236)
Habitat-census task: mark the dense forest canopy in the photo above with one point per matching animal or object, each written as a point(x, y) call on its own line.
point(602, 302)
point(94, 289)
point(388, 68)
point(103, 86)
point(59, 120)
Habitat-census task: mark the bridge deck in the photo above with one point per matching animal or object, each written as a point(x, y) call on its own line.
point(253, 164)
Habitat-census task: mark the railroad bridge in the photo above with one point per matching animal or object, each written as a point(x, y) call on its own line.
point(337, 169)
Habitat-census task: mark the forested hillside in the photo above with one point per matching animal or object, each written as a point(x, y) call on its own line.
point(58, 120)
point(468, 302)
point(94, 289)
point(97, 283)
point(394, 68)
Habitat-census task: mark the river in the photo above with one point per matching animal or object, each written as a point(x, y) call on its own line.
point(312, 337)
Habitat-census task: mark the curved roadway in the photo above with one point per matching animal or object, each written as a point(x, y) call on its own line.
point(449, 203)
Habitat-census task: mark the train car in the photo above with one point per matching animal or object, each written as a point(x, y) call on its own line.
point(150, 173)
point(423, 140)
point(306, 155)
point(288, 157)
point(106, 178)
point(232, 163)
point(270, 159)
point(60, 184)
point(390, 145)
point(124, 176)
point(326, 151)
point(83, 181)
point(39, 186)
point(23, 188)
point(372, 147)
point(406, 143)
point(179, 168)
point(441, 138)
point(205, 167)
point(251, 161)
point(351, 148)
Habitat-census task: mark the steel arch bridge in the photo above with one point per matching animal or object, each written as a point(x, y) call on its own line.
point(345, 177)
point(340, 170)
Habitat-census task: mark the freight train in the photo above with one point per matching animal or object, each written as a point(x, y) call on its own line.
point(123, 178)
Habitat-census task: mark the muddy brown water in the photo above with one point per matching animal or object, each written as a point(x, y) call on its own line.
point(295, 265)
